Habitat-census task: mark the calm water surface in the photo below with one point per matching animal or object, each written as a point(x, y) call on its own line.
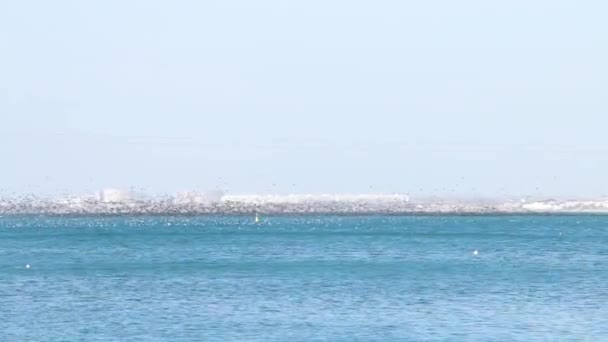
point(325, 278)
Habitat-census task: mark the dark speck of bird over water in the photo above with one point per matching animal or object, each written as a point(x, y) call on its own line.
point(303, 278)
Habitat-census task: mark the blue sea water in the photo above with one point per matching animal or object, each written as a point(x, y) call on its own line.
point(325, 278)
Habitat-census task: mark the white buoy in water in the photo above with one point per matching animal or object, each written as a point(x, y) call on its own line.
point(257, 218)
point(27, 265)
point(475, 252)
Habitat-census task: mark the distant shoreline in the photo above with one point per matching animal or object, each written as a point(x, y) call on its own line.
point(294, 205)
point(309, 214)
point(287, 212)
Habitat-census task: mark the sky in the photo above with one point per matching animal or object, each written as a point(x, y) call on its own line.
point(472, 97)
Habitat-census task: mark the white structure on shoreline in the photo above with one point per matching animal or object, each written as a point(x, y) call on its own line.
point(114, 196)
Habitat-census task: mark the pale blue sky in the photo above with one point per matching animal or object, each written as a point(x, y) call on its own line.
point(469, 97)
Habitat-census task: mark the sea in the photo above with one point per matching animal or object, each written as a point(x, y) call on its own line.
point(304, 278)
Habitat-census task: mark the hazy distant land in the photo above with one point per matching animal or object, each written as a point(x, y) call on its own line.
point(112, 201)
